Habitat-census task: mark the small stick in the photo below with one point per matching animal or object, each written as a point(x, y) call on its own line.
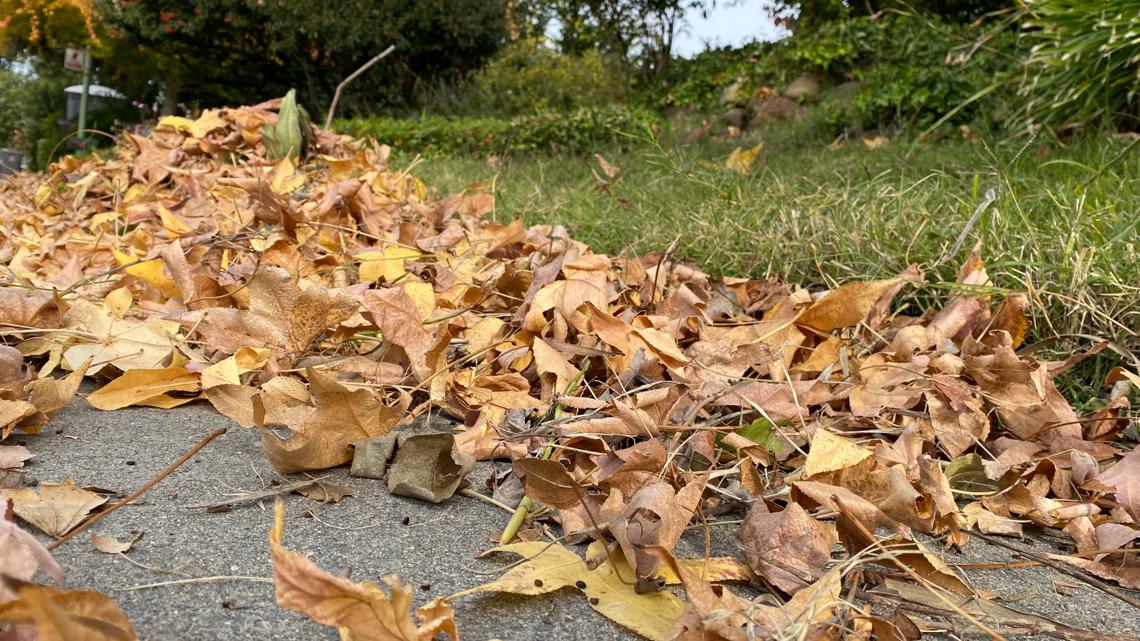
point(364, 67)
point(200, 579)
point(472, 494)
point(139, 492)
point(1076, 574)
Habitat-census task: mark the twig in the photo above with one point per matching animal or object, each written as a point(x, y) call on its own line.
point(201, 579)
point(933, 589)
point(353, 76)
point(1076, 574)
point(988, 200)
point(1060, 632)
point(472, 494)
point(253, 497)
point(139, 492)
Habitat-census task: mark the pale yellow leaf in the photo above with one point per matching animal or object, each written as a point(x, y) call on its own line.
point(138, 386)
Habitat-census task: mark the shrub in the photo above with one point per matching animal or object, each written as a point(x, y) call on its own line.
point(1084, 61)
point(913, 68)
point(579, 131)
point(697, 83)
point(528, 77)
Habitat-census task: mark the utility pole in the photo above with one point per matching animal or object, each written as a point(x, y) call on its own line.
point(83, 96)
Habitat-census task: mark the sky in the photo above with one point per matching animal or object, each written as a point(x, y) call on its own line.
point(736, 24)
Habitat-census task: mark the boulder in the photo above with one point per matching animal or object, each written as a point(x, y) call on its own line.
point(803, 88)
point(844, 90)
point(692, 136)
point(735, 117)
point(772, 107)
point(730, 95)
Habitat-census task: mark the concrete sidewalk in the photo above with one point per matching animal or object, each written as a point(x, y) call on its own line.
point(431, 547)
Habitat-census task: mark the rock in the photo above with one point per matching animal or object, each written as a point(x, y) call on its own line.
point(774, 107)
point(693, 135)
point(735, 117)
point(845, 90)
point(730, 95)
point(803, 88)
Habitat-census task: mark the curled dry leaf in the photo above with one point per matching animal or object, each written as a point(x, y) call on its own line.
point(110, 545)
point(73, 615)
point(360, 611)
point(324, 434)
point(428, 467)
point(12, 458)
point(789, 548)
point(53, 508)
point(21, 555)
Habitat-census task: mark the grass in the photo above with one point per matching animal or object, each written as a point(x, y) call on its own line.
point(1064, 227)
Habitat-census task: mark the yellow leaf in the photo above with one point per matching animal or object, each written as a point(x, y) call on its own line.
point(177, 123)
point(172, 223)
point(423, 297)
point(741, 159)
point(830, 453)
point(150, 271)
point(388, 264)
point(552, 567)
point(875, 142)
point(229, 370)
point(128, 344)
point(143, 386)
point(284, 178)
point(359, 611)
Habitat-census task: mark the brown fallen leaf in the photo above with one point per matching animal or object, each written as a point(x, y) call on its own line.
point(428, 467)
point(282, 316)
point(21, 555)
point(73, 615)
point(848, 304)
point(324, 435)
point(789, 548)
point(110, 545)
point(324, 492)
point(360, 611)
point(53, 508)
point(12, 458)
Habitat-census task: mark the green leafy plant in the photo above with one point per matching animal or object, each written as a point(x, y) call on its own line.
point(912, 69)
point(579, 131)
point(1084, 62)
point(527, 76)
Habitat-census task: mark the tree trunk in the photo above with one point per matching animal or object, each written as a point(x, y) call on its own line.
point(171, 87)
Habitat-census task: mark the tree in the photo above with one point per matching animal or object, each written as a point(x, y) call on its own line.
point(798, 14)
point(638, 33)
point(239, 51)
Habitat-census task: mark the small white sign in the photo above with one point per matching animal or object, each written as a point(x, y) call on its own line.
point(73, 59)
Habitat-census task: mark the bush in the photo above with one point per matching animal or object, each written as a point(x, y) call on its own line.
point(914, 69)
point(1084, 62)
point(697, 83)
point(529, 77)
point(579, 131)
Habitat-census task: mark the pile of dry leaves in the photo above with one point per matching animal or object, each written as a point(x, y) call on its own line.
point(328, 302)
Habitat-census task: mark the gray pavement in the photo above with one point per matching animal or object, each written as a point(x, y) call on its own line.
point(434, 551)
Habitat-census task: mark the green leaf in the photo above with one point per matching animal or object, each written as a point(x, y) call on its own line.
point(286, 138)
point(967, 475)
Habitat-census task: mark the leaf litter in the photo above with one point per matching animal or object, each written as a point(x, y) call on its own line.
point(325, 299)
